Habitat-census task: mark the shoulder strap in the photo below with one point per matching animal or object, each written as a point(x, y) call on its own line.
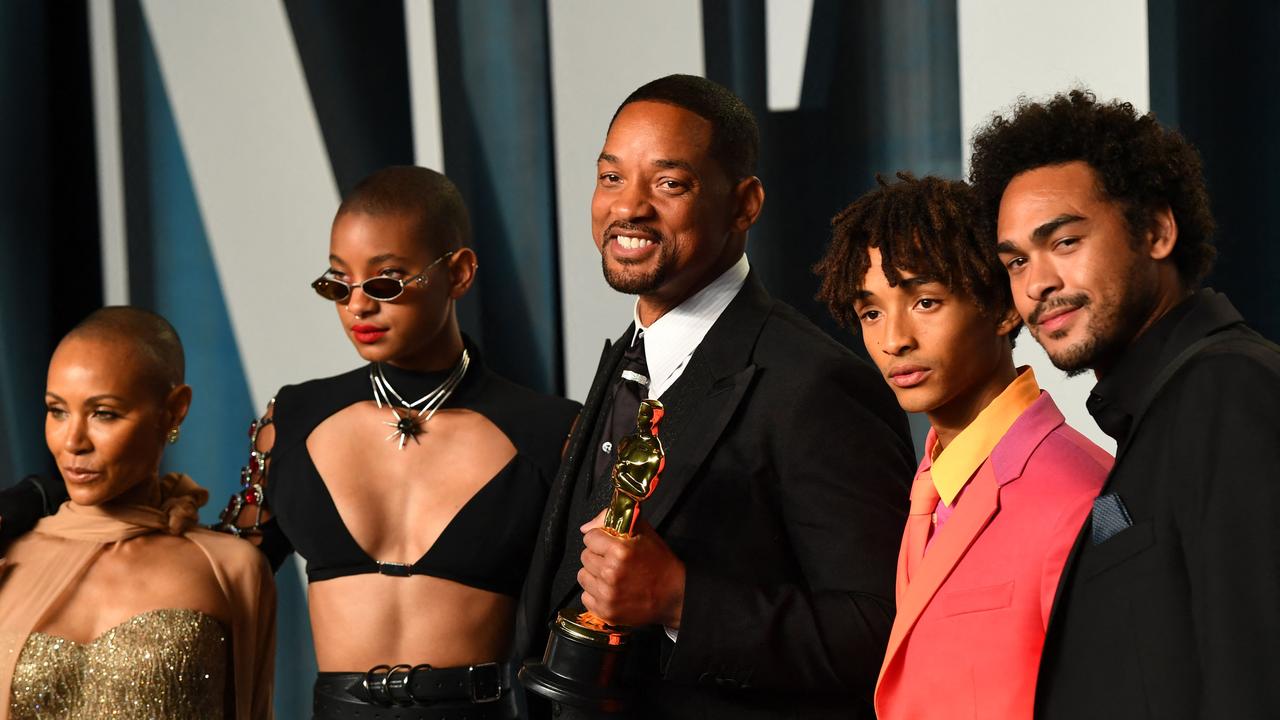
point(1182, 359)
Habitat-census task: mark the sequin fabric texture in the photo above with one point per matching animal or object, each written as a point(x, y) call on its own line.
point(162, 665)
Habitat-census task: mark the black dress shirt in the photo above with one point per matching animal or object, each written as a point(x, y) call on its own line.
point(1178, 614)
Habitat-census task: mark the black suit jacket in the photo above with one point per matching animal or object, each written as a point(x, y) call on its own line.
point(784, 493)
point(1178, 615)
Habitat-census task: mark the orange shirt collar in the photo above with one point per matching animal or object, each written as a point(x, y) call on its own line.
point(952, 468)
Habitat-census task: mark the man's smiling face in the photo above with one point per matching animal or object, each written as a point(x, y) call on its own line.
point(1077, 276)
point(663, 210)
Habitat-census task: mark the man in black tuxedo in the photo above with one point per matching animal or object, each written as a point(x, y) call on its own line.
point(1169, 604)
point(762, 571)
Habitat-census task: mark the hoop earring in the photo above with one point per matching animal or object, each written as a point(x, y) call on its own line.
point(172, 437)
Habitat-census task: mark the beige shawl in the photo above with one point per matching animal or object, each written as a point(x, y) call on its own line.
point(42, 565)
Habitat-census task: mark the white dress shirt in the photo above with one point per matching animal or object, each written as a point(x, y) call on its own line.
point(670, 341)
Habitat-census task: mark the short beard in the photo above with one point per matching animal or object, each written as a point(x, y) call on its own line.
point(631, 280)
point(1110, 329)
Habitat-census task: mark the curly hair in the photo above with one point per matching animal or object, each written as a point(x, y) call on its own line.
point(1140, 164)
point(927, 226)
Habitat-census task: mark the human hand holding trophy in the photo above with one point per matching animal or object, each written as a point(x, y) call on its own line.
point(584, 653)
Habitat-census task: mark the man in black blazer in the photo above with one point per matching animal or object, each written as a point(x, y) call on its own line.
point(762, 571)
point(1169, 604)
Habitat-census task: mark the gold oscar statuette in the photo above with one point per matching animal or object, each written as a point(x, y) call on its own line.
point(584, 653)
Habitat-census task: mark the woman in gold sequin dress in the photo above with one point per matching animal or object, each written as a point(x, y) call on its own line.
point(118, 606)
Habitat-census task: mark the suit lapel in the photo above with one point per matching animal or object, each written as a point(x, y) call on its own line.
point(1011, 456)
point(702, 405)
point(693, 427)
point(979, 504)
point(550, 548)
point(720, 373)
point(561, 489)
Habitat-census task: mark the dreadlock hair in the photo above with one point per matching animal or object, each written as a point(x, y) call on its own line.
point(1141, 166)
point(927, 226)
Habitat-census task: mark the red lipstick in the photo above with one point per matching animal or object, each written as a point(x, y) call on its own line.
point(368, 334)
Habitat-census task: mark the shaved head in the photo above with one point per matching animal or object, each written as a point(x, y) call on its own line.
point(443, 221)
point(150, 337)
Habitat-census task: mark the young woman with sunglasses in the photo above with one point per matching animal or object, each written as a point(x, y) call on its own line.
point(414, 484)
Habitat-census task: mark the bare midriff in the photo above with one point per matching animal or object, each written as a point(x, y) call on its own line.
point(359, 621)
point(396, 504)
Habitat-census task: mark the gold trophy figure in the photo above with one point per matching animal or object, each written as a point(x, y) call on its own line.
point(584, 652)
point(635, 472)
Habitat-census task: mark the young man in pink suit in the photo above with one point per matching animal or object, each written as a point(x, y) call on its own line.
point(1004, 485)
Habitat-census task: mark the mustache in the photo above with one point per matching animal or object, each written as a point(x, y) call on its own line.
point(619, 227)
point(1073, 302)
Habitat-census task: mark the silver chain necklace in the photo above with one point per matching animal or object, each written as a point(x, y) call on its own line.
point(407, 423)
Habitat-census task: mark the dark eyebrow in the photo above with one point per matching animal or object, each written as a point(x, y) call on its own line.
point(95, 398)
point(107, 396)
point(905, 284)
point(918, 280)
point(1048, 228)
point(384, 257)
point(1039, 234)
point(375, 259)
point(669, 164)
point(681, 164)
point(675, 164)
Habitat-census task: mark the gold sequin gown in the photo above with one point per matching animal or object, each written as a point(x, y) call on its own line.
point(162, 665)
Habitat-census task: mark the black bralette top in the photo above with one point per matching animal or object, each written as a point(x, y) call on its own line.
point(489, 542)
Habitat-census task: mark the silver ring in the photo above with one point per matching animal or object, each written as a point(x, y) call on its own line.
point(367, 687)
point(386, 684)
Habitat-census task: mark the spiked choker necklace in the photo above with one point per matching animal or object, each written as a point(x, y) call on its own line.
point(410, 418)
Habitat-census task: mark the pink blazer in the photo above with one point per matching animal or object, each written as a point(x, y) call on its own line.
point(972, 611)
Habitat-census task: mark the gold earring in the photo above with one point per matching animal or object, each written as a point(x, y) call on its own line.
point(173, 435)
